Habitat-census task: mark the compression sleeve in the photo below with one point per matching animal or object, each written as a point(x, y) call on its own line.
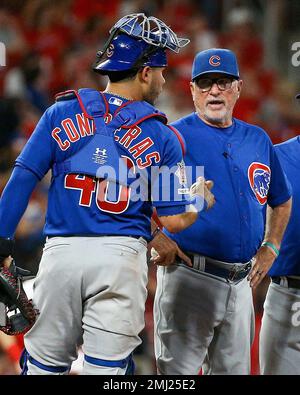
point(15, 198)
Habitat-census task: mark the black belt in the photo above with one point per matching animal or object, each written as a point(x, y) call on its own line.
point(217, 268)
point(291, 282)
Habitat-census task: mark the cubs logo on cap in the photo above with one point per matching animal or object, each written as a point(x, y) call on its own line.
point(215, 60)
point(110, 50)
point(259, 176)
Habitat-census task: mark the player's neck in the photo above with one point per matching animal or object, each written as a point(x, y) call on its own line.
point(123, 90)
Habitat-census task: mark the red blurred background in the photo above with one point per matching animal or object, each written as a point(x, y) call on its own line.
point(50, 46)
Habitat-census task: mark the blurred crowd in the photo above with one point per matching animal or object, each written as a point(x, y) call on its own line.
point(50, 46)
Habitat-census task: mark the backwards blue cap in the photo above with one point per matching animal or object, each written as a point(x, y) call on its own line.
point(136, 41)
point(125, 52)
point(215, 60)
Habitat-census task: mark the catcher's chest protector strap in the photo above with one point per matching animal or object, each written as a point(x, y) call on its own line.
point(99, 157)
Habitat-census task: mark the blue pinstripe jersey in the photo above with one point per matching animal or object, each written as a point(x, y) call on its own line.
point(288, 261)
point(242, 162)
point(81, 205)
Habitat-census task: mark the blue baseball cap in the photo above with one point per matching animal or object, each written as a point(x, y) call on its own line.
point(215, 60)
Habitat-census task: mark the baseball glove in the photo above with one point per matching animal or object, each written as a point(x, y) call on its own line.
point(17, 314)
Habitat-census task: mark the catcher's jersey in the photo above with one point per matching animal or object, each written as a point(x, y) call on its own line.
point(247, 175)
point(288, 261)
point(81, 205)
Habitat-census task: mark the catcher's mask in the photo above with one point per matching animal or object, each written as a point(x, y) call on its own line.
point(137, 41)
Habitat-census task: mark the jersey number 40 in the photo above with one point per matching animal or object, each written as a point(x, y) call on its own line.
point(98, 188)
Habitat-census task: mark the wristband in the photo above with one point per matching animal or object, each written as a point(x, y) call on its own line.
point(155, 232)
point(200, 203)
point(271, 246)
point(6, 247)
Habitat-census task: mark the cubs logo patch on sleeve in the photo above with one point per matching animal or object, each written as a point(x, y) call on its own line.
point(259, 176)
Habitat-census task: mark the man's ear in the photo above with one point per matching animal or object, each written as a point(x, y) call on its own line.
point(192, 88)
point(240, 84)
point(145, 74)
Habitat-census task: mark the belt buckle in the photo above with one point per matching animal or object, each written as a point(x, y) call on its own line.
point(232, 273)
point(238, 270)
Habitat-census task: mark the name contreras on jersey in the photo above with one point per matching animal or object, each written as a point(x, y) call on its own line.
point(74, 133)
point(84, 127)
point(138, 149)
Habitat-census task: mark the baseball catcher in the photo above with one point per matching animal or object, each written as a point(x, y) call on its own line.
point(93, 272)
point(17, 314)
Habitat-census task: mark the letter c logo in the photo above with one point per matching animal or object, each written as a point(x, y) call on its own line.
point(214, 60)
point(110, 50)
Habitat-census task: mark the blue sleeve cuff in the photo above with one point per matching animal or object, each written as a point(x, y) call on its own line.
point(170, 210)
point(198, 201)
point(277, 202)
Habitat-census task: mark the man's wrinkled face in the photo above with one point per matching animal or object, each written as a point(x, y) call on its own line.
point(214, 97)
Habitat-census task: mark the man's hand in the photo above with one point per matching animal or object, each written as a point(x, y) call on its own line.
point(277, 220)
point(263, 260)
point(6, 251)
point(165, 251)
point(6, 262)
point(203, 188)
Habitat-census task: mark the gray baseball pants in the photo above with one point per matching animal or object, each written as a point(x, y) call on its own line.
point(202, 321)
point(279, 343)
point(90, 291)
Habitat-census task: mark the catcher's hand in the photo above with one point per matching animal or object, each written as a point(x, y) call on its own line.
point(203, 188)
point(17, 314)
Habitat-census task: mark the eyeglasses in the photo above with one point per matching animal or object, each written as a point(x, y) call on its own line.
point(205, 84)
